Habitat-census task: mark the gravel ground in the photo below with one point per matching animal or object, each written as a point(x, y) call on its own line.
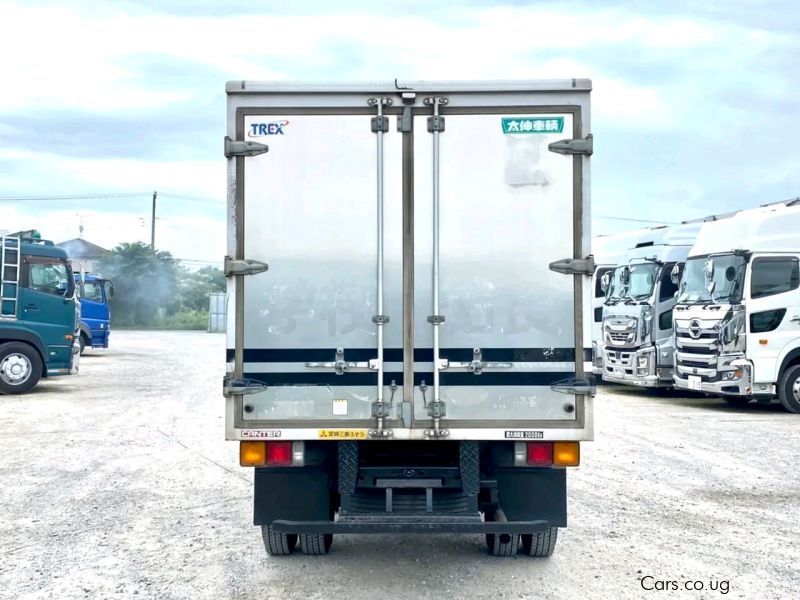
point(118, 483)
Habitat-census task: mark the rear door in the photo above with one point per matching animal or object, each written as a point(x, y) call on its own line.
point(310, 210)
point(341, 208)
point(507, 208)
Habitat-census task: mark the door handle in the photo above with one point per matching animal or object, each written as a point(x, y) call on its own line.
point(795, 319)
point(31, 307)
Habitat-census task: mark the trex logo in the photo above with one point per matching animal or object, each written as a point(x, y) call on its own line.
point(263, 129)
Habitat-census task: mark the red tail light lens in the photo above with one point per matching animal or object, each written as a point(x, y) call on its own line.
point(280, 453)
point(540, 454)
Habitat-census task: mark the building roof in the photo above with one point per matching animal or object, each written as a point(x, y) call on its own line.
point(80, 248)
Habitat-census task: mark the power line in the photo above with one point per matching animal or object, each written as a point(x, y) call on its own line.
point(634, 220)
point(104, 195)
point(74, 197)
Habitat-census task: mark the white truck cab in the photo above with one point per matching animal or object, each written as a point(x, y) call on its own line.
point(637, 334)
point(737, 316)
point(608, 252)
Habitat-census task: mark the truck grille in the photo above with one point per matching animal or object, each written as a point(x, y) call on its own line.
point(619, 359)
point(620, 338)
point(620, 331)
point(697, 353)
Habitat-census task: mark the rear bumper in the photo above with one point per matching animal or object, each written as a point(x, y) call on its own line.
point(424, 523)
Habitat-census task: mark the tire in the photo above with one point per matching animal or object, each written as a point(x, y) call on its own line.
point(278, 544)
point(20, 368)
point(502, 544)
point(737, 400)
point(789, 389)
point(315, 544)
point(82, 342)
point(540, 544)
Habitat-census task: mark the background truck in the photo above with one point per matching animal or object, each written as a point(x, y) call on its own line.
point(737, 317)
point(95, 293)
point(638, 344)
point(608, 252)
point(38, 314)
point(411, 360)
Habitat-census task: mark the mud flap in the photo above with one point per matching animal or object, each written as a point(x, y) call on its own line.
point(533, 494)
point(294, 494)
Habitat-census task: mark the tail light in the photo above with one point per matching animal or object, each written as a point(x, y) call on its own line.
point(547, 454)
point(272, 454)
point(540, 454)
point(279, 454)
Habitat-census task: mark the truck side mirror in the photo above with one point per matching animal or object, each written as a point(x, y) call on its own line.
point(109, 289)
point(625, 275)
point(712, 285)
point(708, 270)
point(675, 274)
point(605, 281)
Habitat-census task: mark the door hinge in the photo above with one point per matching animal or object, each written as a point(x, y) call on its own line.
point(584, 146)
point(243, 148)
point(575, 387)
point(574, 266)
point(241, 387)
point(243, 266)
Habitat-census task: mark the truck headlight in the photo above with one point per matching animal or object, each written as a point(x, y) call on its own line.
point(641, 361)
point(732, 375)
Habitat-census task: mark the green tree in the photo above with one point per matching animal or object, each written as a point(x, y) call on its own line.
point(145, 284)
point(195, 286)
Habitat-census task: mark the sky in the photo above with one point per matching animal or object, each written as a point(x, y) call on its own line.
point(694, 107)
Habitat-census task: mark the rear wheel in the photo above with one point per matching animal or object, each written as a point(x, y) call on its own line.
point(20, 368)
point(278, 544)
point(789, 389)
point(737, 400)
point(316, 544)
point(540, 544)
point(502, 544)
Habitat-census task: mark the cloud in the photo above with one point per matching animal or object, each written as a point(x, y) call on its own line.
point(693, 104)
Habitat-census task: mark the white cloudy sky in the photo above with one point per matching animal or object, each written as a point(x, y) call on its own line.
point(694, 105)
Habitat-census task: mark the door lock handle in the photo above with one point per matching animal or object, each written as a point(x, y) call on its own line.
point(795, 319)
point(31, 307)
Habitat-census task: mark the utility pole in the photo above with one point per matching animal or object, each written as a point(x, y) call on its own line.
point(153, 224)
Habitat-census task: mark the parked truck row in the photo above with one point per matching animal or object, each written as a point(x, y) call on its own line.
point(709, 306)
point(48, 313)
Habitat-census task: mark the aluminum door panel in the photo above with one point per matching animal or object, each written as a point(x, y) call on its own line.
point(506, 212)
point(311, 213)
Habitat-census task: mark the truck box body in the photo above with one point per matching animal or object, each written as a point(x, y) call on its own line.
point(409, 231)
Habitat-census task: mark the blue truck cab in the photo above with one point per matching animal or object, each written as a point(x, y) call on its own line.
point(95, 327)
point(39, 313)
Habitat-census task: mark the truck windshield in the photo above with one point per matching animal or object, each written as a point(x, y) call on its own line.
point(728, 277)
point(642, 280)
point(51, 276)
point(93, 290)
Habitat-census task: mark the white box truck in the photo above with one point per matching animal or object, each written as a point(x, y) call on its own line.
point(737, 317)
point(409, 275)
point(638, 340)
